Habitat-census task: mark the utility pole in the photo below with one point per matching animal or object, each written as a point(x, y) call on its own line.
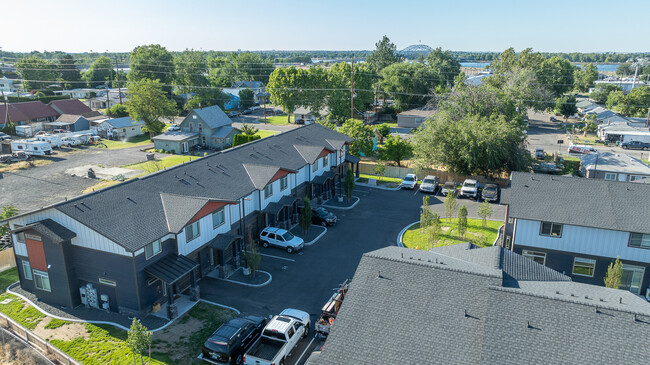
point(119, 86)
point(7, 120)
point(352, 92)
point(636, 72)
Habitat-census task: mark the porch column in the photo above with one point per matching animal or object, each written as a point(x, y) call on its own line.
point(194, 287)
point(172, 309)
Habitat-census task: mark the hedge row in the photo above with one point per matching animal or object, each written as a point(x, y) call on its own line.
point(242, 139)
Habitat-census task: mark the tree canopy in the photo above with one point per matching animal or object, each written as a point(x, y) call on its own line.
point(148, 102)
point(384, 55)
point(362, 136)
point(70, 74)
point(585, 76)
point(36, 73)
point(246, 98)
point(445, 64)
point(100, 72)
point(409, 84)
point(190, 68)
point(152, 62)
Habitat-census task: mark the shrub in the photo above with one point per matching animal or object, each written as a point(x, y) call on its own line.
point(242, 139)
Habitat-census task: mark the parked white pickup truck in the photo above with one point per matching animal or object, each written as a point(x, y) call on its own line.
point(278, 338)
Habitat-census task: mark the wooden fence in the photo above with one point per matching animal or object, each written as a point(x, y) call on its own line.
point(400, 172)
point(44, 347)
point(7, 259)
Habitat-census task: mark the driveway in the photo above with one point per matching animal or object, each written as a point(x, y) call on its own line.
point(438, 205)
point(44, 185)
point(306, 280)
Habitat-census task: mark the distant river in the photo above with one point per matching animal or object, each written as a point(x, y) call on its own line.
point(600, 67)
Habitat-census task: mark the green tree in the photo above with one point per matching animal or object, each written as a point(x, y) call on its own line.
point(252, 256)
point(380, 168)
point(451, 205)
point(190, 69)
point(285, 88)
point(8, 211)
point(635, 104)
point(36, 73)
point(248, 130)
point(425, 214)
point(557, 75)
point(602, 91)
point(152, 62)
point(396, 149)
point(462, 221)
point(614, 274)
point(434, 231)
point(244, 66)
point(445, 65)
point(304, 218)
point(70, 74)
point(148, 102)
point(566, 106)
point(485, 211)
point(119, 111)
point(409, 84)
point(246, 98)
point(100, 72)
point(362, 136)
point(624, 69)
point(585, 76)
point(615, 98)
point(385, 54)
point(382, 131)
point(339, 78)
point(348, 184)
point(138, 339)
point(192, 103)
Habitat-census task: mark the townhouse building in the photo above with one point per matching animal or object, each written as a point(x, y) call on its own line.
point(136, 246)
point(579, 226)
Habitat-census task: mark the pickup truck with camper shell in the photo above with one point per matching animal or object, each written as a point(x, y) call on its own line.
point(279, 337)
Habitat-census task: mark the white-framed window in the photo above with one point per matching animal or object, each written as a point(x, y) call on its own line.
point(314, 166)
point(537, 256)
point(636, 177)
point(27, 269)
point(42, 280)
point(108, 282)
point(326, 161)
point(550, 229)
point(639, 240)
point(632, 278)
point(20, 236)
point(610, 176)
point(583, 266)
point(152, 249)
point(268, 191)
point(218, 218)
point(284, 182)
point(192, 231)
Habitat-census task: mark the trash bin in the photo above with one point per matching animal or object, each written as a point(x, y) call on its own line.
point(151, 156)
point(91, 174)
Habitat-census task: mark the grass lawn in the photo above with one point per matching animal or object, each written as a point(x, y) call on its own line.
point(7, 278)
point(22, 165)
point(381, 178)
point(265, 134)
point(159, 164)
point(20, 311)
point(277, 120)
point(414, 239)
point(390, 124)
point(131, 142)
point(588, 140)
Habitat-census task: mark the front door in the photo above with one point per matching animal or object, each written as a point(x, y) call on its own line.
point(632, 278)
point(184, 147)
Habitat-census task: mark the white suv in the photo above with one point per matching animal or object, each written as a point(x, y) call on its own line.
point(271, 236)
point(469, 189)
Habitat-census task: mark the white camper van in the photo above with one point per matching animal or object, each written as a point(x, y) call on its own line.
point(32, 147)
point(53, 139)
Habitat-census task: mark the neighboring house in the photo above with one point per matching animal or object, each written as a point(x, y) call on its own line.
point(465, 305)
point(68, 122)
point(579, 226)
point(6, 85)
point(619, 126)
point(30, 112)
point(120, 128)
point(102, 103)
point(79, 93)
point(145, 242)
point(413, 118)
point(302, 113)
point(233, 98)
point(71, 106)
point(613, 166)
point(477, 79)
point(584, 105)
point(626, 84)
point(209, 127)
point(260, 94)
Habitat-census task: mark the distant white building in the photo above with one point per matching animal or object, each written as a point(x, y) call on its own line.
point(626, 84)
point(6, 85)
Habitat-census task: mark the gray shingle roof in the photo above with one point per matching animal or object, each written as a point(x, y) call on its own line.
point(123, 122)
point(308, 153)
point(410, 310)
point(260, 174)
point(132, 215)
point(180, 209)
point(50, 229)
point(223, 131)
point(69, 118)
point(176, 136)
point(619, 205)
point(213, 116)
point(614, 162)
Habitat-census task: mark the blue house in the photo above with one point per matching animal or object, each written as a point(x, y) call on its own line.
point(233, 101)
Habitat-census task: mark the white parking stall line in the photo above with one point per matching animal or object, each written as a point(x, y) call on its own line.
point(307, 348)
point(275, 257)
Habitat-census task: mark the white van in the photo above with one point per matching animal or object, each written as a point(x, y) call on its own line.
point(579, 148)
point(32, 147)
point(53, 139)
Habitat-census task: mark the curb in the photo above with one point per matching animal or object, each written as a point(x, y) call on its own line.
point(401, 233)
point(106, 322)
point(376, 186)
point(317, 237)
point(343, 208)
point(250, 285)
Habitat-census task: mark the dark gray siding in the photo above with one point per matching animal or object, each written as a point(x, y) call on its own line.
point(150, 293)
point(24, 283)
point(60, 295)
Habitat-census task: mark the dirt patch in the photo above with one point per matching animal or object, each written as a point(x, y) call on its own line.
point(67, 332)
point(173, 339)
point(101, 172)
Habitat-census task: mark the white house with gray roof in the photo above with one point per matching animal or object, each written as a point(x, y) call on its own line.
point(613, 166)
point(145, 241)
point(579, 226)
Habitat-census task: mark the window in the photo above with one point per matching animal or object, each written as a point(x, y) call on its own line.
point(107, 282)
point(341, 152)
point(632, 278)
point(610, 176)
point(583, 267)
point(268, 191)
point(636, 177)
point(20, 236)
point(192, 231)
point(192, 126)
point(538, 257)
point(124, 130)
point(314, 166)
point(152, 249)
point(326, 161)
point(218, 218)
point(27, 269)
point(639, 240)
point(283, 183)
point(42, 280)
point(551, 229)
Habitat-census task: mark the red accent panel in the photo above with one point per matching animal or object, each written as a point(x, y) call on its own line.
point(207, 209)
point(280, 174)
point(326, 151)
point(36, 254)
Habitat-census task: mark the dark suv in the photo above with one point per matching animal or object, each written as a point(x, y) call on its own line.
point(321, 216)
point(230, 342)
point(635, 145)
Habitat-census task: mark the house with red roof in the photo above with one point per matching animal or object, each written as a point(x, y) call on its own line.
point(27, 113)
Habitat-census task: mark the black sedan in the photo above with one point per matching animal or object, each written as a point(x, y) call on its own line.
point(229, 343)
point(635, 145)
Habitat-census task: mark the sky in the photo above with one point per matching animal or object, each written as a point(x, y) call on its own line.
point(121, 25)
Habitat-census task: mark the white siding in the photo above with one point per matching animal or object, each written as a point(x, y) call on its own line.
point(581, 240)
point(320, 170)
point(302, 175)
point(208, 232)
point(86, 237)
point(235, 212)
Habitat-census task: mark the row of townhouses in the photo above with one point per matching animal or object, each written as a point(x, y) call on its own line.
point(138, 244)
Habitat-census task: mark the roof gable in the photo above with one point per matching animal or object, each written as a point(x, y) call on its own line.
point(213, 116)
point(261, 175)
point(70, 106)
